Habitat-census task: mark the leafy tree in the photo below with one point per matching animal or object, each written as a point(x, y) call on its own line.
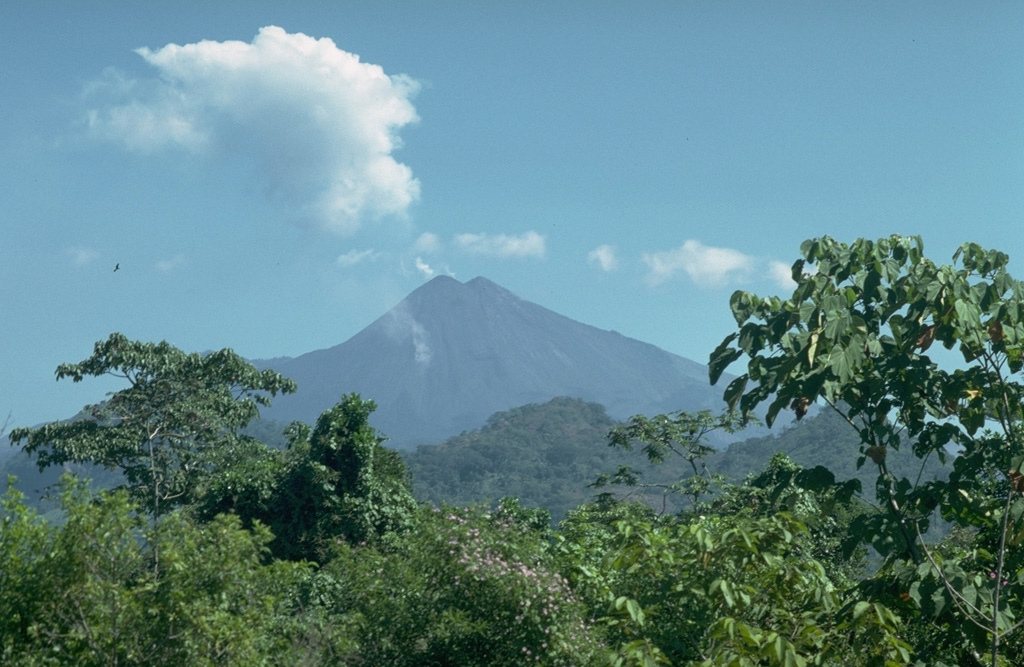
point(584, 540)
point(750, 574)
point(735, 590)
point(83, 593)
point(24, 590)
point(219, 602)
point(165, 428)
point(856, 334)
point(339, 484)
point(681, 436)
point(247, 482)
point(812, 496)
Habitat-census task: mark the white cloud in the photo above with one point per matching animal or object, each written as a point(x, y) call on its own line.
point(427, 242)
point(705, 265)
point(166, 265)
point(603, 257)
point(353, 257)
point(530, 244)
point(781, 274)
point(713, 267)
point(318, 125)
point(424, 268)
point(81, 256)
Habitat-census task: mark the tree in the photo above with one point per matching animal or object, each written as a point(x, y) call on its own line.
point(730, 586)
point(82, 593)
point(745, 574)
point(24, 588)
point(339, 483)
point(163, 430)
point(681, 436)
point(856, 334)
point(811, 496)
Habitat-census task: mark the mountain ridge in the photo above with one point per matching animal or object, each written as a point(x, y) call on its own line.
point(451, 354)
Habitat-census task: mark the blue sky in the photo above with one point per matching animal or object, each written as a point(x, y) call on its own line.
point(272, 177)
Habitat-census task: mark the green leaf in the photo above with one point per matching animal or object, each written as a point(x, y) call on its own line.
point(722, 357)
point(774, 408)
point(742, 305)
point(840, 364)
point(860, 608)
point(634, 610)
point(968, 313)
point(735, 390)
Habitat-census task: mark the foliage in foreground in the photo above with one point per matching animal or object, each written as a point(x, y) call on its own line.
point(856, 335)
point(180, 567)
point(468, 587)
point(87, 592)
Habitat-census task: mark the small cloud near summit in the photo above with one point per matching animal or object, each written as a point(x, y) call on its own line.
point(424, 268)
point(603, 257)
point(428, 271)
point(529, 244)
point(427, 243)
point(710, 266)
point(319, 126)
point(353, 257)
point(705, 265)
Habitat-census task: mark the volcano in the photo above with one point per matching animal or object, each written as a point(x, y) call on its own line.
point(451, 354)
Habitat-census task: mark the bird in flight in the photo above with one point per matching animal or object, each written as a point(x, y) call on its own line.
point(116, 267)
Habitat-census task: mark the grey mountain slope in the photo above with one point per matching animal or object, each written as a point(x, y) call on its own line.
point(451, 354)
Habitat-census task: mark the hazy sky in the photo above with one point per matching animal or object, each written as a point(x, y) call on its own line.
point(273, 177)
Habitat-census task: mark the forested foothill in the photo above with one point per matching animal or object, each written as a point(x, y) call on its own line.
point(219, 548)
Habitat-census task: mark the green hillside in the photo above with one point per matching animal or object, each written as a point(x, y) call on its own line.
point(544, 454)
point(826, 440)
point(547, 454)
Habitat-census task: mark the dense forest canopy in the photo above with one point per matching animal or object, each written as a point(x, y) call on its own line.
point(222, 549)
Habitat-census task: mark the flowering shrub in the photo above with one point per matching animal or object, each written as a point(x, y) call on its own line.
point(469, 587)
